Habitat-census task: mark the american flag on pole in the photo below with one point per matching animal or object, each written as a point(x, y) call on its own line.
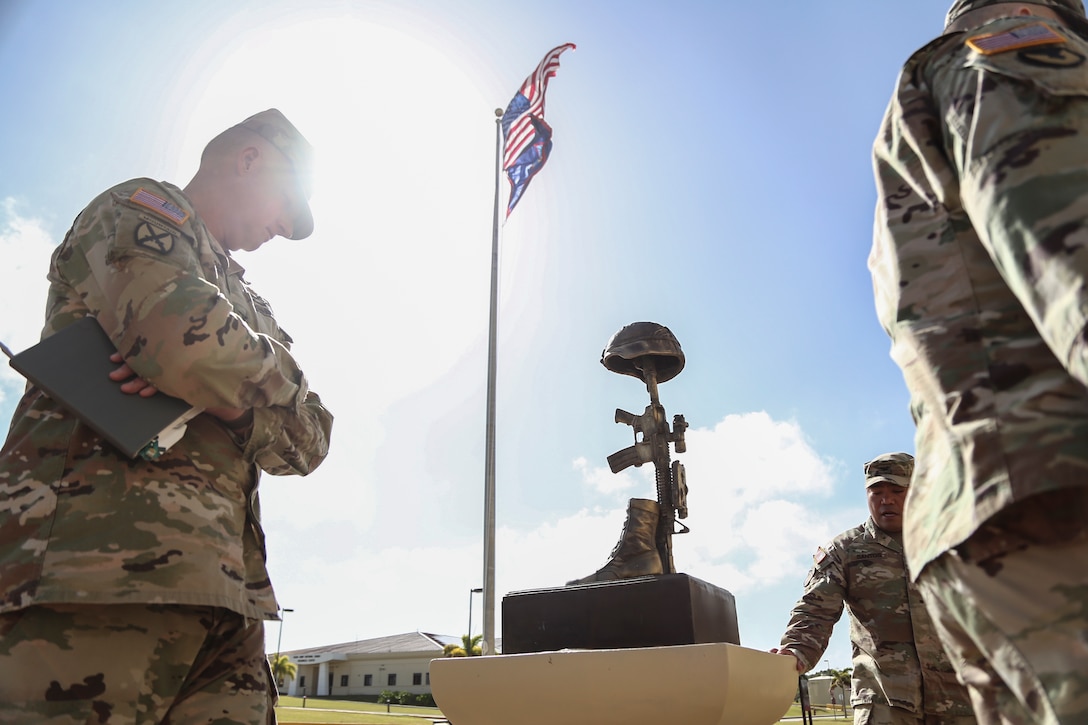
point(527, 139)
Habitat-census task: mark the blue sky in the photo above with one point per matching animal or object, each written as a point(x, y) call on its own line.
point(711, 172)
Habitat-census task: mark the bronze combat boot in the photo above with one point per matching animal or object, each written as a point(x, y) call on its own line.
point(635, 554)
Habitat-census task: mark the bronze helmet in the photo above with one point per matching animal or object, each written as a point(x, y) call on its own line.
point(641, 339)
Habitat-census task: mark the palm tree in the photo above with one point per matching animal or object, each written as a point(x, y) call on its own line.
point(469, 647)
point(841, 680)
point(282, 667)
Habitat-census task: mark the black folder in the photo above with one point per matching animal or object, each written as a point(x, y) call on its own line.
point(72, 366)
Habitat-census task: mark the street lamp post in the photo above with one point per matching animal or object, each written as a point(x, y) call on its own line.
point(470, 593)
point(279, 640)
point(842, 690)
point(831, 687)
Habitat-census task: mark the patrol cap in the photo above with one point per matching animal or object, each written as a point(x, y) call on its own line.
point(1064, 7)
point(894, 468)
point(273, 126)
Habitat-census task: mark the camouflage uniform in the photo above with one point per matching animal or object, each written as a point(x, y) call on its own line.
point(162, 663)
point(80, 523)
point(979, 265)
point(898, 660)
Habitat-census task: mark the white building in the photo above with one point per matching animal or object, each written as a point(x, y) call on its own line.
point(819, 691)
point(399, 662)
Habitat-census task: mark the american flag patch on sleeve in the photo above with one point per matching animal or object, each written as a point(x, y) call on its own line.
point(157, 204)
point(1023, 37)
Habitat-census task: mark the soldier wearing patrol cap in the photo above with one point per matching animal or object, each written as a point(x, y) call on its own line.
point(135, 590)
point(901, 674)
point(980, 274)
point(1068, 10)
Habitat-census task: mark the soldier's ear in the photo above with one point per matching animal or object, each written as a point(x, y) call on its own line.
point(247, 159)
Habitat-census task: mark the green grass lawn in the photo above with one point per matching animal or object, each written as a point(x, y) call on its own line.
point(348, 712)
point(821, 713)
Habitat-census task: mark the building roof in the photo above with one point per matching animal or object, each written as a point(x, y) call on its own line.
point(409, 642)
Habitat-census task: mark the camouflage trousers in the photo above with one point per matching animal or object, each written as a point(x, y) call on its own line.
point(133, 664)
point(878, 714)
point(1016, 627)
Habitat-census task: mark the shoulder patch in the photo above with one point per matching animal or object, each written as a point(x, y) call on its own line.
point(154, 237)
point(1025, 36)
point(819, 556)
point(159, 205)
point(1051, 56)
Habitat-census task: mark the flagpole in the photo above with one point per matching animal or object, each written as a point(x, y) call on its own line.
point(487, 645)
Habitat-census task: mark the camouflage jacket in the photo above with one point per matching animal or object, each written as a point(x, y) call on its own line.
point(898, 659)
point(79, 521)
point(979, 268)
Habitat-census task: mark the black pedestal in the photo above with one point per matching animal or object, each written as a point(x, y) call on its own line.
point(650, 611)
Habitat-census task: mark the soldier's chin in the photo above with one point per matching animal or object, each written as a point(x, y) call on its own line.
point(891, 522)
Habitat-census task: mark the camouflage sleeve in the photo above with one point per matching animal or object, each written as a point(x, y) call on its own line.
point(143, 279)
point(288, 442)
point(1019, 147)
point(814, 616)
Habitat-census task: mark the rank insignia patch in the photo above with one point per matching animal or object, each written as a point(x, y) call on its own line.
point(1025, 36)
point(157, 204)
point(154, 238)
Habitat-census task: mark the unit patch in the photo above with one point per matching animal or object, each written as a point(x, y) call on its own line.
point(1023, 37)
point(153, 237)
point(1051, 56)
point(159, 205)
point(819, 556)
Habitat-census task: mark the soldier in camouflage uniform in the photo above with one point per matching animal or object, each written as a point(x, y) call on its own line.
point(980, 272)
point(901, 674)
point(135, 590)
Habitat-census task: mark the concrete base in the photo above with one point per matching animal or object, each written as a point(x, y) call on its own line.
point(699, 684)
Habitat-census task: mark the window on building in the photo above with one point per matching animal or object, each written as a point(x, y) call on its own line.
point(343, 680)
point(368, 680)
point(392, 679)
point(302, 681)
point(428, 678)
point(417, 678)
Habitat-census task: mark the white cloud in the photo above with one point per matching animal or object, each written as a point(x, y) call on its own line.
point(751, 458)
point(601, 479)
point(25, 247)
